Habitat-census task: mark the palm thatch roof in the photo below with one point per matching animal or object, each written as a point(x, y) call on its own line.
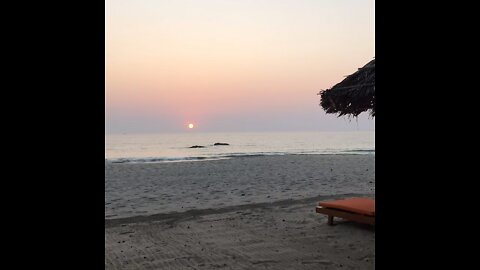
point(352, 96)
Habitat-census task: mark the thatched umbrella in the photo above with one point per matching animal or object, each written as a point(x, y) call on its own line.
point(352, 96)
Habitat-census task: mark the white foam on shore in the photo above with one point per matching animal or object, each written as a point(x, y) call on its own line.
point(235, 155)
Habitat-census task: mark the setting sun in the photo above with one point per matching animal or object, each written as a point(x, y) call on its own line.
point(190, 126)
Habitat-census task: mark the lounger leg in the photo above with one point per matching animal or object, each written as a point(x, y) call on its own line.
point(330, 220)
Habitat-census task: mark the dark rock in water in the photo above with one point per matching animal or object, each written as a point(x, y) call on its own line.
point(219, 143)
point(197, 146)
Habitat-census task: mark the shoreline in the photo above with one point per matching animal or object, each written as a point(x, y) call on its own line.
point(159, 160)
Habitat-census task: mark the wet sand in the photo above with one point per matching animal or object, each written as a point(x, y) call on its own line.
point(146, 189)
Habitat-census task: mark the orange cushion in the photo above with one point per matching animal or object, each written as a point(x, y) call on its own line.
point(364, 206)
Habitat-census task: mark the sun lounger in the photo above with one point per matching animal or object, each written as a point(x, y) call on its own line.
point(360, 210)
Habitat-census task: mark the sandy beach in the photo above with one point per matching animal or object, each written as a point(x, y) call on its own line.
point(241, 213)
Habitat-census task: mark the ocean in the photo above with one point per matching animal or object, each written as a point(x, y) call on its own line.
point(175, 147)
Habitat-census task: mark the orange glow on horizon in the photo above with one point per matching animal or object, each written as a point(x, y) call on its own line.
point(169, 64)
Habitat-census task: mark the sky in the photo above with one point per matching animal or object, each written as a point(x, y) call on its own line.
point(232, 65)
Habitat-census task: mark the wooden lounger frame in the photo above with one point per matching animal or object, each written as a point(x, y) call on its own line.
point(332, 212)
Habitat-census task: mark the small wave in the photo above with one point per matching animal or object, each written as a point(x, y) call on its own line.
point(157, 160)
point(183, 159)
point(361, 151)
point(236, 155)
point(254, 154)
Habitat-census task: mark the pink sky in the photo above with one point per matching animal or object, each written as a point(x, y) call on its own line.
point(231, 65)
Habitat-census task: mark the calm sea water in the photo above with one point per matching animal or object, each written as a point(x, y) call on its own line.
point(174, 147)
